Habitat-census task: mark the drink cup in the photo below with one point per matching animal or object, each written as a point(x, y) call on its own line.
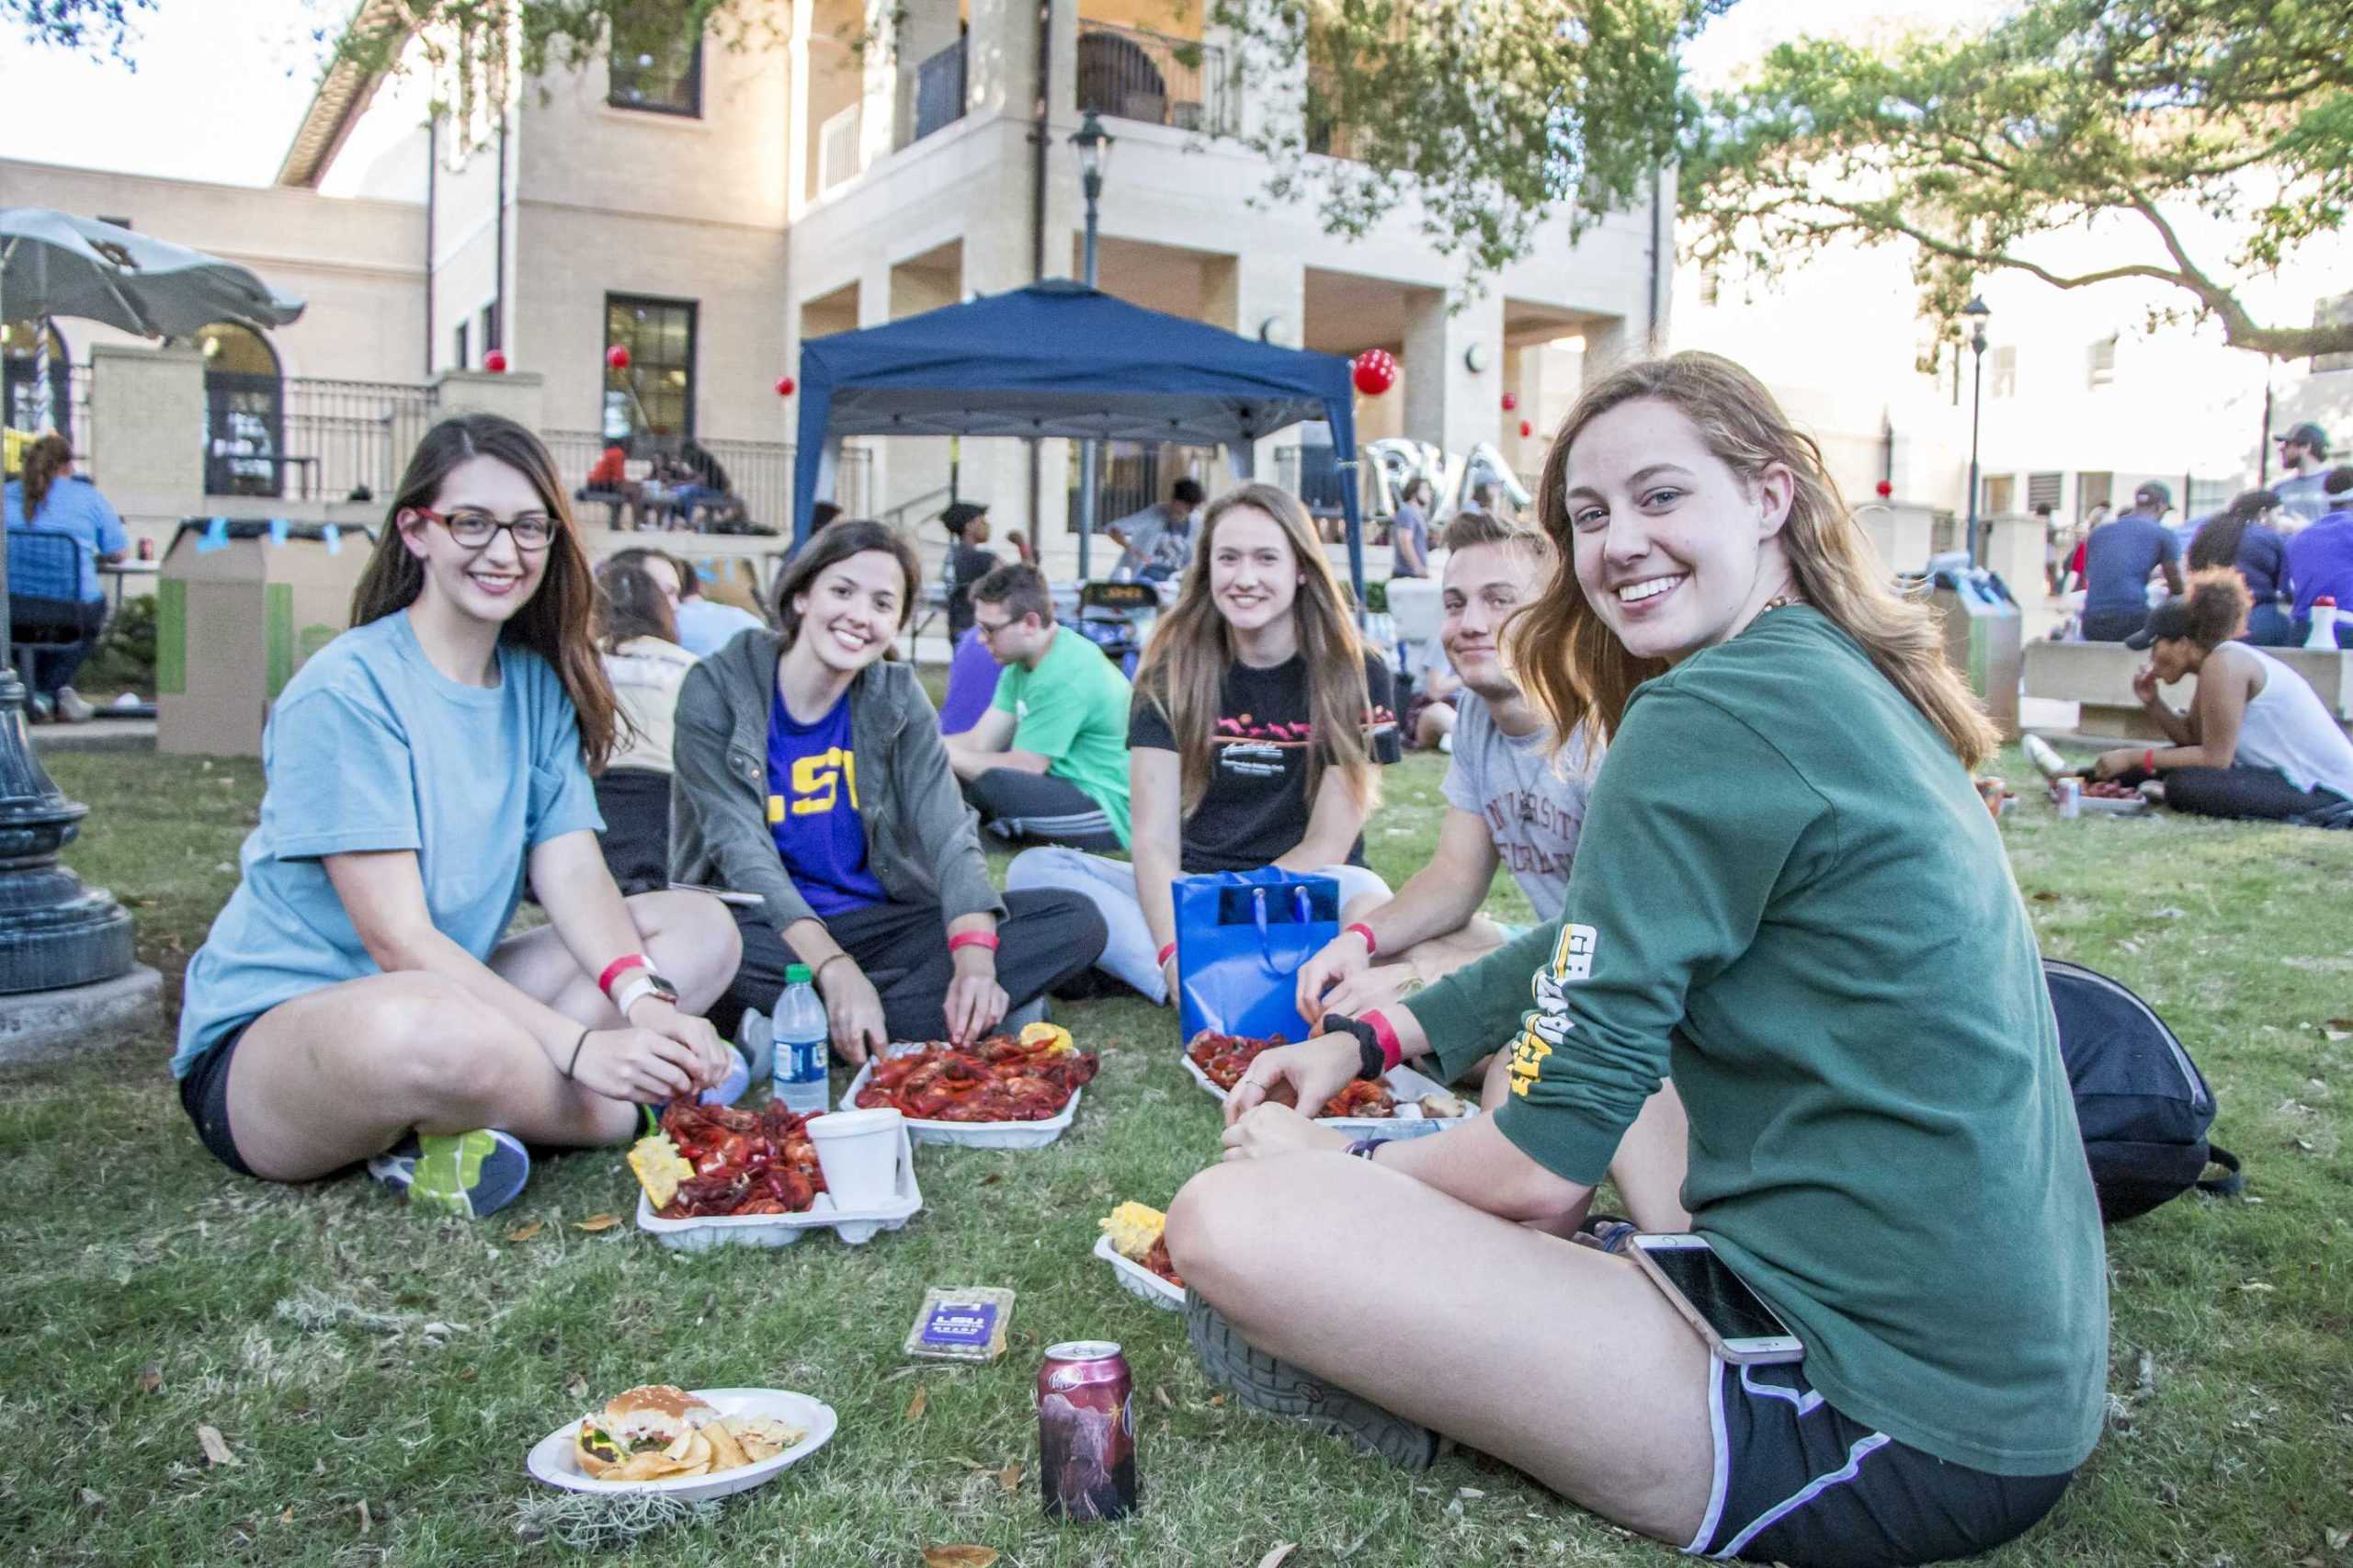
point(859, 1151)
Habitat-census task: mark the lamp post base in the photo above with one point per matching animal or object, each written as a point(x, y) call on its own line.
point(54, 931)
point(53, 1026)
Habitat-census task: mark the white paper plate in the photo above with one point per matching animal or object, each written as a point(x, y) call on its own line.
point(1138, 1280)
point(552, 1461)
point(971, 1134)
point(1408, 1086)
point(2114, 807)
point(855, 1226)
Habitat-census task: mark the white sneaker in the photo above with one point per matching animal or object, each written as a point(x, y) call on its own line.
point(72, 709)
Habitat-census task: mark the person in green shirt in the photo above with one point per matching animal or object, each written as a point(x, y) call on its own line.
point(1048, 761)
point(1789, 895)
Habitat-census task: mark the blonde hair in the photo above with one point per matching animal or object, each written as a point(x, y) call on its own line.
point(1192, 648)
point(1578, 671)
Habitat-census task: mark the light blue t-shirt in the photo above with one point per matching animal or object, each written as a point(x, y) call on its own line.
point(371, 747)
point(73, 506)
point(705, 626)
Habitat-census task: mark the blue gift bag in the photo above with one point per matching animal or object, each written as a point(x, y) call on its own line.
point(1241, 939)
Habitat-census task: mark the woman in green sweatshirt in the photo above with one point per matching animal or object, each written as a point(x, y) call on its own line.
point(1789, 899)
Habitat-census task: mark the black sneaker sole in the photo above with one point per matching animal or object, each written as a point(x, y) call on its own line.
point(1277, 1387)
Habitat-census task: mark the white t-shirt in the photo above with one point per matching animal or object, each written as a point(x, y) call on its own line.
point(1533, 809)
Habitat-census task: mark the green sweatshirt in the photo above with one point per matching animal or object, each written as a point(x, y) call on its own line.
point(1789, 897)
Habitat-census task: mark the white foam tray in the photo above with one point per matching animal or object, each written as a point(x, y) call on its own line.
point(552, 1459)
point(1404, 1082)
point(971, 1134)
point(2113, 807)
point(1138, 1280)
point(855, 1226)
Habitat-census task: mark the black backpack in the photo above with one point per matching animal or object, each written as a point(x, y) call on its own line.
point(2142, 1104)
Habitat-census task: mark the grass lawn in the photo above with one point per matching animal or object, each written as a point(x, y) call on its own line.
point(378, 1376)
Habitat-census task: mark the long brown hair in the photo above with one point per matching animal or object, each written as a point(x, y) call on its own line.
point(48, 457)
point(1579, 672)
point(629, 604)
point(1192, 648)
point(558, 622)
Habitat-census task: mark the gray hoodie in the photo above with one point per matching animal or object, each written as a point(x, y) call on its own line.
point(922, 841)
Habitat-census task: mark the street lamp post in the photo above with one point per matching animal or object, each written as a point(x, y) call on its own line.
point(1094, 145)
point(1976, 313)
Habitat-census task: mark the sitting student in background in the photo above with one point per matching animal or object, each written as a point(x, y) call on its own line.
point(2241, 538)
point(705, 626)
point(862, 855)
point(1508, 802)
point(2320, 561)
point(2255, 741)
point(1430, 712)
point(637, 637)
point(1048, 761)
point(1156, 542)
point(51, 499)
point(2119, 558)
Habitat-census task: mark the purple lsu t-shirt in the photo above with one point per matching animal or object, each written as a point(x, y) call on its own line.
point(2320, 561)
point(813, 808)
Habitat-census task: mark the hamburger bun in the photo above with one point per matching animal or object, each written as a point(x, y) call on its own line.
point(642, 1421)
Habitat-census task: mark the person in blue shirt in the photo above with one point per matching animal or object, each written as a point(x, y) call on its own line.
point(2118, 559)
point(52, 498)
point(354, 1000)
point(2319, 560)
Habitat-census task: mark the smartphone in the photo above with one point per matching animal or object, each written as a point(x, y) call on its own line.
point(1737, 1326)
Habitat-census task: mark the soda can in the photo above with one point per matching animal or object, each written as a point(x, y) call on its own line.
point(2069, 794)
point(1087, 1432)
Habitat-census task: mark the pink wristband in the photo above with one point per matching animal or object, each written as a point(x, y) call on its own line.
point(972, 939)
point(1361, 929)
point(620, 967)
point(1162, 962)
point(1391, 1051)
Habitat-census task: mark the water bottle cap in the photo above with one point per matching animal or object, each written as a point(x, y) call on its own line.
point(796, 975)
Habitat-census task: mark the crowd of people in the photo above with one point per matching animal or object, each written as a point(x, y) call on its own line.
point(1702, 733)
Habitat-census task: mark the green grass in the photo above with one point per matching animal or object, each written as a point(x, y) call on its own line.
point(126, 1252)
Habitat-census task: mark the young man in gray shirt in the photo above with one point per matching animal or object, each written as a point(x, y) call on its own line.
point(1510, 802)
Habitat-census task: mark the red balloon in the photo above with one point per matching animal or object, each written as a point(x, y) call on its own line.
point(494, 361)
point(785, 386)
point(1885, 488)
point(618, 356)
point(1511, 400)
point(1375, 371)
point(1526, 429)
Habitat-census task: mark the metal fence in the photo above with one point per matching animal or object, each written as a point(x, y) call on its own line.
point(940, 90)
point(1137, 75)
point(352, 435)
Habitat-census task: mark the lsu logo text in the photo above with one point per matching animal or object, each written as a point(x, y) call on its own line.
point(1547, 1025)
point(817, 784)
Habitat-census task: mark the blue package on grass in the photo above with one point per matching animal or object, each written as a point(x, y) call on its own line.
point(1241, 939)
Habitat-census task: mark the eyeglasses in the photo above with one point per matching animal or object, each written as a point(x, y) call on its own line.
point(988, 629)
point(474, 529)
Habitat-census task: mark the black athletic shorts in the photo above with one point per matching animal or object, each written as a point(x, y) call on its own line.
point(1797, 1483)
point(204, 1095)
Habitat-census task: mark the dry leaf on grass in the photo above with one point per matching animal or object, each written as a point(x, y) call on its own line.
point(1273, 1559)
point(958, 1556)
point(215, 1447)
point(917, 1406)
point(1009, 1478)
point(150, 1378)
point(596, 1222)
point(1217, 1399)
point(525, 1232)
point(2337, 1540)
point(366, 1521)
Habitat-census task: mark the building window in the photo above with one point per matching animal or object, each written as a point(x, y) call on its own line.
point(659, 79)
point(656, 394)
point(490, 327)
point(2042, 490)
point(2333, 313)
point(2005, 380)
point(2001, 491)
point(244, 411)
point(458, 344)
point(2100, 367)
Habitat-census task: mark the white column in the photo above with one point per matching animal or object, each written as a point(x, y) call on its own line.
point(1446, 401)
point(147, 426)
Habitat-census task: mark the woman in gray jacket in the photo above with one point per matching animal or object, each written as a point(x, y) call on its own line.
point(810, 772)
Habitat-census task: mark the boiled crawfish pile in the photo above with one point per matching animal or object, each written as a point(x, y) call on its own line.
point(1224, 1057)
point(996, 1080)
point(745, 1161)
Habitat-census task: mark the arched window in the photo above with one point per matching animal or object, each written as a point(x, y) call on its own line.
point(21, 342)
point(245, 412)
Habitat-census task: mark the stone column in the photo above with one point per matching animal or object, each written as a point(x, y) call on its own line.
point(798, 129)
point(1262, 295)
point(1446, 401)
point(147, 428)
point(517, 394)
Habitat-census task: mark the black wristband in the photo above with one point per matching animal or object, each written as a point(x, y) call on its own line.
point(577, 1047)
point(1370, 1059)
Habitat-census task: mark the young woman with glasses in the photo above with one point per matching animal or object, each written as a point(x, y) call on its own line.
point(355, 1001)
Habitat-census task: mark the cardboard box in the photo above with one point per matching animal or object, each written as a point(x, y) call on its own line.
point(240, 605)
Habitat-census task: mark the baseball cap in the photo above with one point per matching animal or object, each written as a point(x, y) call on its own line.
point(960, 515)
point(2167, 621)
point(2310, 434)
point(2155, 492)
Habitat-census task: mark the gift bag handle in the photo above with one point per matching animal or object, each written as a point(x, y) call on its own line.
point(1301, 910)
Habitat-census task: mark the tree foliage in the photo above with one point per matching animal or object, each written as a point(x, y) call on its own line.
point(1494, 113)
point(75, 25)
point(1970, 148)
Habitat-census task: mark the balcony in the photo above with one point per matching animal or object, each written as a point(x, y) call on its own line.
point(1135, 74)
point(940, 90)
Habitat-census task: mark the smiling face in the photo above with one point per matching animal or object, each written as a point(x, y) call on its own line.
point(1484, 585)
point(851, 610)
point(1253, 577)
point(495, 581)
point(1674, 550)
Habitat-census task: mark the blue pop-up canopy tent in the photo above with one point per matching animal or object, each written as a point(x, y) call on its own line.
point(1059, 358)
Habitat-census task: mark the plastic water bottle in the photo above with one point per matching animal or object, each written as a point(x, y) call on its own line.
point(801, 1037)
point(2323, 633)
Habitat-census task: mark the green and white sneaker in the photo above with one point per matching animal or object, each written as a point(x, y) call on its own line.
point(466, 1174)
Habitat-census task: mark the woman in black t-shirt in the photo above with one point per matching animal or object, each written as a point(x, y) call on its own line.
point(1259, 717)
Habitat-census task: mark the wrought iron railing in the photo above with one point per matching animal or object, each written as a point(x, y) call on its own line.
point(759, 473)
point(1137, 75)
point(351, 436)
point(1130, 478)
point(940, 90)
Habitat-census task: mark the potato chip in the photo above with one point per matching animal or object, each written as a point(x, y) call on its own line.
point(762, 1436)
point(726, 1453)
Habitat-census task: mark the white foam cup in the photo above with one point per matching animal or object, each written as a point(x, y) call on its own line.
point(859, 1151)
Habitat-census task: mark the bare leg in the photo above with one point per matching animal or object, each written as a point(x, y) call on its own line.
point(1608, 1401)
point(1654, 1155)
point(1435, 722)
